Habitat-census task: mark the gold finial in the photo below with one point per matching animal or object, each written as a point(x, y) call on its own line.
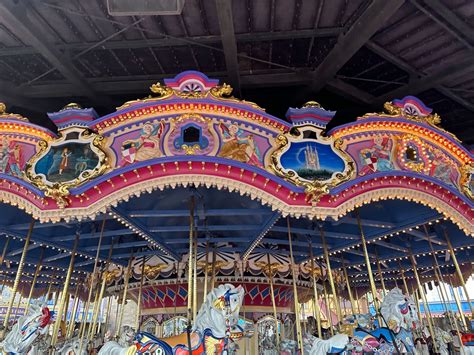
point(71, 106)
point(312, 104)
point(3, 108)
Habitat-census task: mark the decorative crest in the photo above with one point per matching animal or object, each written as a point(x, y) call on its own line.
point(308, 159)
point(76, 156)
point(311, 113)
point(73, 115)
point(412, 108)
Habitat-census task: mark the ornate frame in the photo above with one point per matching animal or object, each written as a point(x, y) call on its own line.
point(314, 189)
point(60, 190)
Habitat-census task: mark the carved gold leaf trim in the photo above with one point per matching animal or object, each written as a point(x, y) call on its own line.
point(314, 189)
point(60, 190)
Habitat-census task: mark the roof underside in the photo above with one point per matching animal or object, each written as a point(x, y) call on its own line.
point(393, 229)
point(350, 55)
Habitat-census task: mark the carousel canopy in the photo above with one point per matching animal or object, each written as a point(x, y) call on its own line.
point(128, 184)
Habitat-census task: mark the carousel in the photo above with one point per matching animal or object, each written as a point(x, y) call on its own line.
point(192, 222)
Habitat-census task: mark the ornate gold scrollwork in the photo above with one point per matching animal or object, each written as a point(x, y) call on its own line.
point(59, 191)
point(152, 271)
point(466, 181)
point(314, 189)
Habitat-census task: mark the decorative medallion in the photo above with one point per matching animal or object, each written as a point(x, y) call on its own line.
point(191, 134)
point(306, 158)
point(76, 156)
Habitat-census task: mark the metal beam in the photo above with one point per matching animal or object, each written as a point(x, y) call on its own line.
point(14, 15)
point(141, 230)
point(414, 74)
point(208, 213)
point(451, 71)
point(365, 222)
point(171, 41)
point(229, 43)
point(211, 228)
point(369, 22)
point(255, 240)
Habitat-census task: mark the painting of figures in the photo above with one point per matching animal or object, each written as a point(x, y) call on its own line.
point(66, 162)
point(312, 161)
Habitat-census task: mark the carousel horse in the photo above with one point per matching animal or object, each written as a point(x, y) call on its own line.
point(27, 329)
point(73, 347)
point(467, 343)
point(399, 313)
point(127, 336)
point(210, 333)
point(315, 346)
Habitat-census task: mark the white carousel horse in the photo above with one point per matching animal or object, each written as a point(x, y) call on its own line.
point(466, 349)
point(316, 346)
point(211, 330)
point(41, 345)
point(73, 347)
point(127, 336)
point(27, 329)
point(399, 313)
point(397, 310)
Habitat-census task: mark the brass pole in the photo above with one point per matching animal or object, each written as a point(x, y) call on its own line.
point(97, 305)
point(417, 304)
point(423, 299)
point(330, 276)
point(64, 292)
point(33, 283)
point(348, 285)
point(270, 272)
point(107, 314)
point(295, 290)
point(458, 303)
point(403, 278)
point(82, 330)
point(452, 321)
point(195, 305)
point(205, 272)
point(72, 320)
point(190, 262)
point(213, 268)
point(441, 284)
point(316, 310)
point(458, 269)
point(328, 308)
point(5, 248)
point(48, 292)
point(369, 268)
point(19, 301)
point(18, 274)
point(379, 269)
point(140, 293)
point(358, 301)
point(124, 296)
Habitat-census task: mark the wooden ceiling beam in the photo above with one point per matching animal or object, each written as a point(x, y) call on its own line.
point(369, 22)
